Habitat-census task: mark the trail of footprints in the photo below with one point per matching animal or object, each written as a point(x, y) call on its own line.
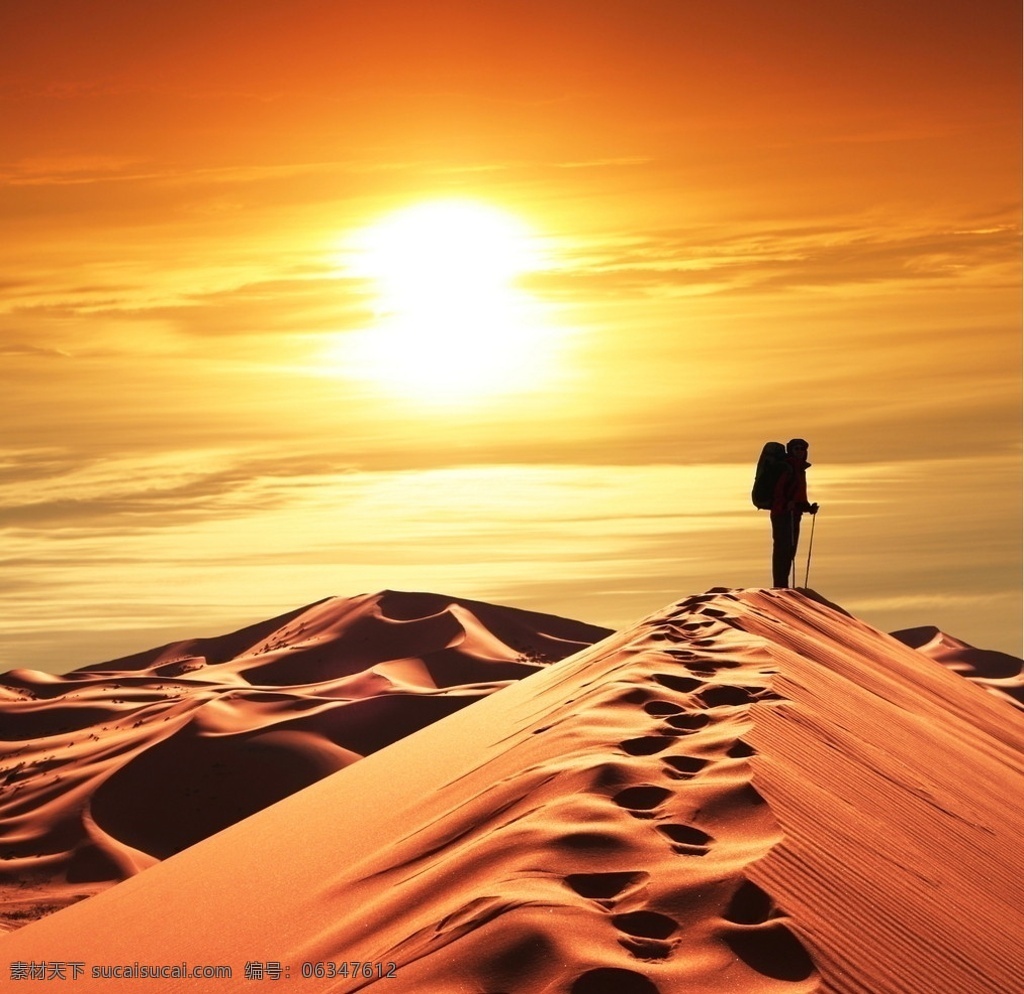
point(681, 709)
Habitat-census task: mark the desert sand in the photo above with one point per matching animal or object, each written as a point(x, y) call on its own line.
point(110, 768)
point(748, 791)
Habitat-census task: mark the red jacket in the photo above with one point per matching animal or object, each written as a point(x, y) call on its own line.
point(791, 485)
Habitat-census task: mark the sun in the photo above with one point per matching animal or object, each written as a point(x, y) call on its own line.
point(452, 322)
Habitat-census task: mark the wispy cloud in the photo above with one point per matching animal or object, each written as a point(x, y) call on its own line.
point(69, 170)
point(936, 600)
point(43, 351)
point(611, 163)
point(787, 258)
point(313, 300)
point(42, 490)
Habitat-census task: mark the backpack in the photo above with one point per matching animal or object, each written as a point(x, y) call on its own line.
point(770, 467)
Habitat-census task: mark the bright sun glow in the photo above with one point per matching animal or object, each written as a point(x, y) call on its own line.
point(452, 324)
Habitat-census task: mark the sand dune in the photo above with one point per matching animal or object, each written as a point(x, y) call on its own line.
point(998, 672)
point(109, 769)
point(749, 791)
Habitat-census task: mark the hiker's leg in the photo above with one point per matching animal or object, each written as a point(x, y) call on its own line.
point(782, 549)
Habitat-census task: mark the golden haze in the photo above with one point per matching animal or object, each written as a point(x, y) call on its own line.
point(801, 220)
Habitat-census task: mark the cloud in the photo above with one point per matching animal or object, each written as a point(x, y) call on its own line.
point(43, 489)
point(49, 352)
point(612, 163)
point(786, 258)
point(315, 300)
point(75, 169)
point(923, 601)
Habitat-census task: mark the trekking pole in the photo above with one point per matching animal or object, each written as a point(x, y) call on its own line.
point(810, 545)
point(792, 545)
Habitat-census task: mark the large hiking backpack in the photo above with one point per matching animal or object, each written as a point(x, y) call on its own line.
point(769, 468)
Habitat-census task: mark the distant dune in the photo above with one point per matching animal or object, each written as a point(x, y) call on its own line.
point(113, 767)
point(749, 791)
point(998, 672)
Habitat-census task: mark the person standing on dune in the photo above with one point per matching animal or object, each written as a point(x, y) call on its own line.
point(788, 506)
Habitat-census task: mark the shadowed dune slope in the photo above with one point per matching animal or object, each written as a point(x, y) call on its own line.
point(749, 791)
point(110, 768)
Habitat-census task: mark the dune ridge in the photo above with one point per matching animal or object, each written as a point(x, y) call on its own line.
point(748, 791)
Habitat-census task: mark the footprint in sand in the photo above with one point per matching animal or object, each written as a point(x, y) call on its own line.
point(740, 750)
point(700, 598)
point(640, 801)
point(645, 933)
point(611, 980)
point(688, 721)
point(768, 947)
point(702, 669)
point(648, 745)
point(687, 840)
point(665, 635)
point(659, 708)
point(684, 767)
point(684, 684)
point(636, 696)
point(714, 612)
point(772, 950)
point(692, 626)
point(591, 842)
point(726, 696)
point(645, 924)
point(749, 905)
point(604, 886)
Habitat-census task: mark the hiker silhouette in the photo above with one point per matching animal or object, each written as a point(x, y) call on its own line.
point(789, 502)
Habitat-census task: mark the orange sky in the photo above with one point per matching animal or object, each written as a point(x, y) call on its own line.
point(754, 220)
